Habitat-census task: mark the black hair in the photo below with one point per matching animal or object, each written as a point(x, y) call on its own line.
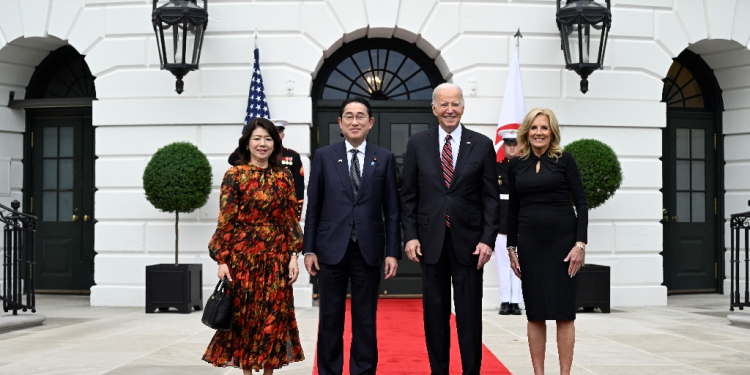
point(275, 159)
point(355, 99)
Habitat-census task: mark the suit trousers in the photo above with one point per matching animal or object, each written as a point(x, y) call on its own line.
point(436, 299)
point(507, 281)
point(333, 280)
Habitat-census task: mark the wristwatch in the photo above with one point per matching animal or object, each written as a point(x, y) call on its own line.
point(583, 247)
point(294, 253)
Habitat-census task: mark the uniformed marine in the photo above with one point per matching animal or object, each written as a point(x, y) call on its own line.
point(509, 283)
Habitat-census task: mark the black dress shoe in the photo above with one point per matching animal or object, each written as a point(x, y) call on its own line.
point(505, 308)
point(514, 309)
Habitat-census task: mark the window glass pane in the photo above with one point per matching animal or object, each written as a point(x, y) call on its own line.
point(66, 174)
point(698, 140)
point(49, 172)
point(683, 207)
point(50, 142)
point(329, 93)
point(387, 81)
point(425, 94)
point(695, 102)
point(65, 206)
point(397, 91)
point(49, 206)
point(699, 207)
point(409, 68)
point(347, 67)
point(682, 144)
point(399, 137)
point(334, 133)
point(356, 90)
point(683, 175)
point(416, 128)
point(66, 141)
point(394, 60)
point(381, 58)
point(418, 81)
point(339, 81)
point(363, 61)
point(698, 172)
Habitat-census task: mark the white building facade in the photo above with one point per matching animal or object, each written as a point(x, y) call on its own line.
point(117, 232)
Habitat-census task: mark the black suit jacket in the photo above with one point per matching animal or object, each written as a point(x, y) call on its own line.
point(332, 208)
point(472, 199)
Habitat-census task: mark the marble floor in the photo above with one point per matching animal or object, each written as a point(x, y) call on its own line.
point(689, 336)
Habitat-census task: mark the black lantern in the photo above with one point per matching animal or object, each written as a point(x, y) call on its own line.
point(584, 27)
point(180, 26)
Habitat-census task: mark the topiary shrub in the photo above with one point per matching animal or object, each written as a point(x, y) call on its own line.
point(600, 169)
point(177, 179)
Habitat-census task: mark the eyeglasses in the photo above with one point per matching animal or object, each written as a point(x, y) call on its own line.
point(350, 118)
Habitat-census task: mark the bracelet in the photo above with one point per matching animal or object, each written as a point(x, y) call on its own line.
point(294, 253)
point(582, 247)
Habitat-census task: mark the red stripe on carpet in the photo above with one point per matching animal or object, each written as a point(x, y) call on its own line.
point(401, 342)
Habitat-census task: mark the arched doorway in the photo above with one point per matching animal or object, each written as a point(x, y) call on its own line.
point(397, 78)
point(59, 170)
point(692, 163)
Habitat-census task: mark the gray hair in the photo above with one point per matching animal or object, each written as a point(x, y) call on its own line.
point(446, 85)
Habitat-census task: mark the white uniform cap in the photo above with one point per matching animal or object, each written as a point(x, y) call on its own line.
point(509, 135)
point(280, 124)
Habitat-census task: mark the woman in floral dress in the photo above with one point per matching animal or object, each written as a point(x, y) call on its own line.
point(256, 243)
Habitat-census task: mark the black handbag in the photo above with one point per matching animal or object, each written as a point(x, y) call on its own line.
point(218, 313)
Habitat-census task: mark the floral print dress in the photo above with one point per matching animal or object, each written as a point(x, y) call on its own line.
point(256, 231)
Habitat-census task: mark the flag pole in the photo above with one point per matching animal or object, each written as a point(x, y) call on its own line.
point(255, 36)
point(518, 36)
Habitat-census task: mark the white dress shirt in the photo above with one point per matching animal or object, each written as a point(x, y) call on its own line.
point(360, 155)
point(455, 142)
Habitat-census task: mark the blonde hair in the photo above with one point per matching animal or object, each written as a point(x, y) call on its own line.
point(555, 151)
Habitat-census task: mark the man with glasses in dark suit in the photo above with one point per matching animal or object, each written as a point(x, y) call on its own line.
point(351, 230)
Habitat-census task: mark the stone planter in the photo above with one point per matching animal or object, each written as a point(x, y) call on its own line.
point(179, 286)
point(593, 288)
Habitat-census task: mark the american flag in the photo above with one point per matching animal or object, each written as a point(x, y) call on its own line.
point(256, 100)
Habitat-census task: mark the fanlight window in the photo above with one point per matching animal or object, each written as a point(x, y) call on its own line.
point(681, 89)
point(62, 74)
point(378, 74)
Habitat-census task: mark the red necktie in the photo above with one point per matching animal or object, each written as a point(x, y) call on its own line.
point(446, 159)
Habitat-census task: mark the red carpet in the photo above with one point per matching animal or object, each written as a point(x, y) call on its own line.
point(401, 342)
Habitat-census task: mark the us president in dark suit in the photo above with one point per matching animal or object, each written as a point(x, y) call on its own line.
point(351, 229)
point(450, 220)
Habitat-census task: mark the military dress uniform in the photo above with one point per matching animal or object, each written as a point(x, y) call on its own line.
point(508, 282)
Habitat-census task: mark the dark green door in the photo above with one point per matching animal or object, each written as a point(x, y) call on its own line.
point(690, 203)
point(62, 197)
point(392, 130)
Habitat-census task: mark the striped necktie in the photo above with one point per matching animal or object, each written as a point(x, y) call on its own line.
point(446, 159)
point(354, 176)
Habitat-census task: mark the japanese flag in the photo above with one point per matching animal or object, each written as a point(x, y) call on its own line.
point(514, 106)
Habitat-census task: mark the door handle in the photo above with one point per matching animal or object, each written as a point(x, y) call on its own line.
point(75, 217)
point(86, 218)
point(674, 218)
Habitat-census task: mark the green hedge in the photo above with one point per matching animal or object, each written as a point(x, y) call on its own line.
point(178, 178)
point(600, 169)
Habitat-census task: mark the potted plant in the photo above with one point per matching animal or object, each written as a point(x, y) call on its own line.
point(176, 179)
point(601, 175)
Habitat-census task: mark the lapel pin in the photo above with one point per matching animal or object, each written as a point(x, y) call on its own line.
point(372, 163)
point(339, 160)
point(468, 143)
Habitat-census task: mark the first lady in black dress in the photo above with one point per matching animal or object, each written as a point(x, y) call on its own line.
point(549, 235)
